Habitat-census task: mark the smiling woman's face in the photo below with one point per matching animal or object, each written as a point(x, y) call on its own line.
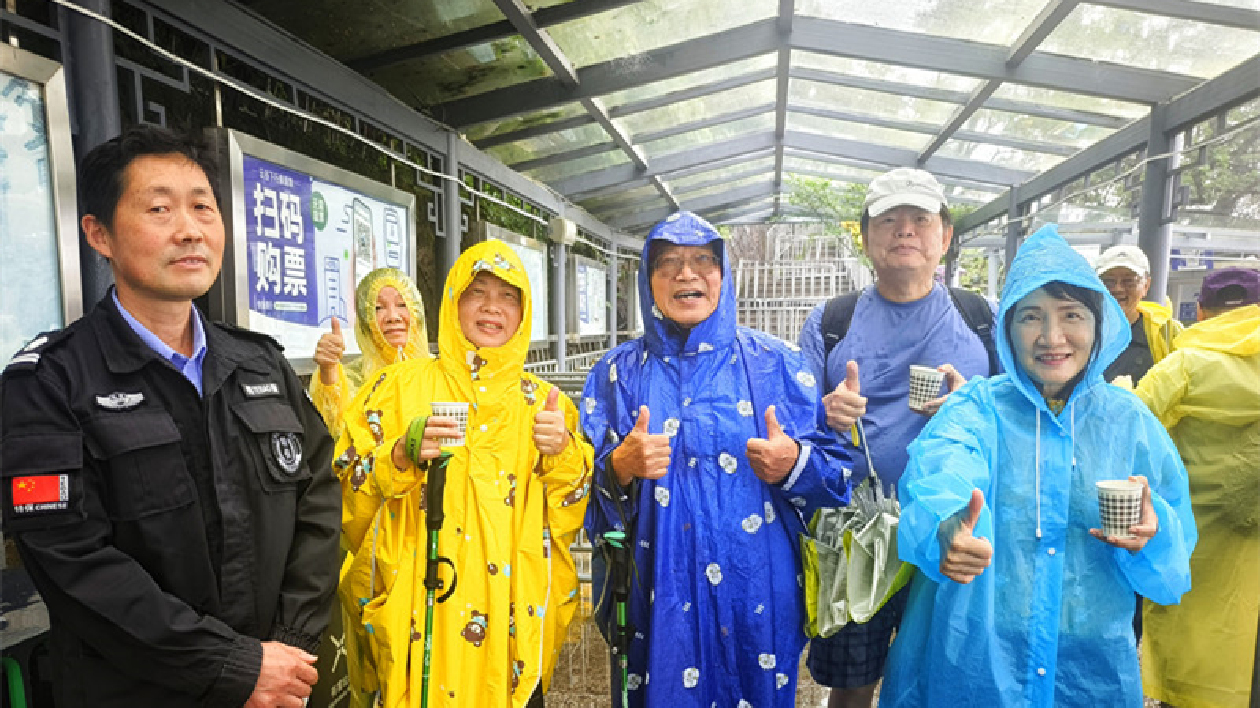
point(686, 283)
point(1052, 339)
point(490, 310)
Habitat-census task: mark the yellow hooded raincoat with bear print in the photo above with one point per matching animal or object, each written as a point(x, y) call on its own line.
point(511, 515)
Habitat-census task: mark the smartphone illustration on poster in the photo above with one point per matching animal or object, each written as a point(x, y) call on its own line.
point(334, 302)
point(393, 239)
point(363, 238)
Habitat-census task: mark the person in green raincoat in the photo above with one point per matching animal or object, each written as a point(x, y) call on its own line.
point(389, 327)
point(514, 501)
point(1201, 653)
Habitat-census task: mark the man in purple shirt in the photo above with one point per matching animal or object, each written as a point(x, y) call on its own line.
point(905, 318)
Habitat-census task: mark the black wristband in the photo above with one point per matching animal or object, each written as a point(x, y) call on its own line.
point(415, 438)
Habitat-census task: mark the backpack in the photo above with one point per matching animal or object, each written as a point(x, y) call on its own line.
point(975, 311)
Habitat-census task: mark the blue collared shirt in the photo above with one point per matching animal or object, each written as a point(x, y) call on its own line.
point(189, 367)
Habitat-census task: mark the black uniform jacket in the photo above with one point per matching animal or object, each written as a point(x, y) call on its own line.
point(167, 533)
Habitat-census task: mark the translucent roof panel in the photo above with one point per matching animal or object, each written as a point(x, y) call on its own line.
point(857, 131)
point(763, 166)
point(1246, 4)
point(1151, 41)
point(989, 21)
point(624, 34)
point(551, 144)
point(877, 103)
point(686, 81)
point(1036, 128)
point(710, 106)
point(1072, 101)
point(658, 203)
point(611, 201)
point(464, 72)
point(717, 133)
point(766, 179)
point(565, 170)
point(491, 128)
point(884, 72)
point(999, 155)
point(806, 167)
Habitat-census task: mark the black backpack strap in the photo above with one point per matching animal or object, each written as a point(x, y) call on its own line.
point(837, 314)
point(978, 315)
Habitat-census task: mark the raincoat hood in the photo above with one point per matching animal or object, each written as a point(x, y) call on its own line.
point(460, 356)
point(1043, 258)
point(1233, 332)
point(376, 352)
point(664, 336)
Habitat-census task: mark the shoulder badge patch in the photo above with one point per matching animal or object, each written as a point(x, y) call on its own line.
point(270, 388)
point(287, 449)
point(119, 401)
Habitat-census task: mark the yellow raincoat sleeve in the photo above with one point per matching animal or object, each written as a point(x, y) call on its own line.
point(331, 400)
point(1163, 388)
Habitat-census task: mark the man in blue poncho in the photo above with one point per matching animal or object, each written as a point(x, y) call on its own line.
point(1021, 600)
point(710, 443)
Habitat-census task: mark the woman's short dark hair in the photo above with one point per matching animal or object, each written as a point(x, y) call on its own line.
point(101, 170)
point(1091, 299)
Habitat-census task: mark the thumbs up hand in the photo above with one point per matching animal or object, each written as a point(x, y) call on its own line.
point(774, 456)
point(845, 404)
point(328, 351)
point(550, 434)
point(641, 454)
point(966, 555)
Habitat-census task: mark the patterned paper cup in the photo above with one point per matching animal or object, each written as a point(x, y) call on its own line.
point(925, 384)
point(458, 411)
point(1120, 505)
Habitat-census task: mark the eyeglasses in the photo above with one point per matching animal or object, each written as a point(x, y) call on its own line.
point(700, 264)
point(1127, 282)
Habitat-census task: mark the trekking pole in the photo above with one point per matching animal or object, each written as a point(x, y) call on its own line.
point(432, 583)
point(619, 556)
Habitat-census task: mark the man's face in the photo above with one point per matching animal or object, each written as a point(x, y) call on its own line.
point(166, 242)
point(906, 239)
point(686, 283)
point(1127, 287)
point(490, 310)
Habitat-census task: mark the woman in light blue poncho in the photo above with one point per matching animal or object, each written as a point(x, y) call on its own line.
point(709, 480)
point(1021, 601)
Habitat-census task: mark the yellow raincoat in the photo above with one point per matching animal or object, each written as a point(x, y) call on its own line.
point(1160, 327)
point(511, 515)
point(1207, 393)
point(375, 352)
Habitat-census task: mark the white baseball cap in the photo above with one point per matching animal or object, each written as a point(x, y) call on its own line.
point(1123, 256)
point(904, 186)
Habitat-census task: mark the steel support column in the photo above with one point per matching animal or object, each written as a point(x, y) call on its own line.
point(451, 206)
point(559, 298)
point(614, 268)
point(94, 115)
point(1153, 239)
point(1013, 227)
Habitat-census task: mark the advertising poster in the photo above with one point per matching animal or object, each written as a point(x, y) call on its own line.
point(309, 244)
point(592, 286)
point(535, 262)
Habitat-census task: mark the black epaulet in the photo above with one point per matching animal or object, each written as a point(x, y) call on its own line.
point(259, 337)
point(27, 358)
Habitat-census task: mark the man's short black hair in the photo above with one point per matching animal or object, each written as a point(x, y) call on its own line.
point(101, 170)
point(946, 220)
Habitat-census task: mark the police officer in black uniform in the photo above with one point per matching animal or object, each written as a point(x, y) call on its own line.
point(165, 477)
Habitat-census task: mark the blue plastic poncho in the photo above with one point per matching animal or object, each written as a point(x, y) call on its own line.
point(716, 601)
point(1049, 622)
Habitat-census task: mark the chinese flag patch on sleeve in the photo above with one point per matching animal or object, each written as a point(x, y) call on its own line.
point(41, 489)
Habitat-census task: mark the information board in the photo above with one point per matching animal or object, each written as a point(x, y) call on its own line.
point(534, 257)
point(591, 293)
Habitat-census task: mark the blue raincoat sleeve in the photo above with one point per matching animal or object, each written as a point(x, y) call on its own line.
point(1160, 571)
point(608, 413)
point(947, 461)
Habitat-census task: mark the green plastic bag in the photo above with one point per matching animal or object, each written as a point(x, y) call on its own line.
point(850, 561)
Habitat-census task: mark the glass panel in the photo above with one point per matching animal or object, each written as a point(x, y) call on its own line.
point(658, 203)
point(701, 108)
point(1248, 4)
point(603, 204)
point(491, 128)
point(550, 144)
point(857, 131)
point(765, 179)
point(1219, 192)
point(686, 81)
point(1151, 41)
point(717, 133)
point(806, 167)
point(564, 170)
point(764, 166)
point(990, 21)
point(625, 33)
point(1075, 101)
point(884, 105)
point(1105, 196)
point(886, 72)
point(1000, 155)
point(463, 72)
point(1047, 130)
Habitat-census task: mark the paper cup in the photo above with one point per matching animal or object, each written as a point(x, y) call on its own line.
point(925, 384)
point(1119, 505)
point(458, 411)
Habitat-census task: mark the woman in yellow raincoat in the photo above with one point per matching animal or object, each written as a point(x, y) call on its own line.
point(1200, 654)
point(389, 327)
point(511, 510)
